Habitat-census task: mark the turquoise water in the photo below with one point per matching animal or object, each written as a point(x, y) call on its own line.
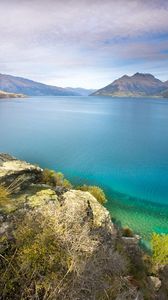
point(118, 144)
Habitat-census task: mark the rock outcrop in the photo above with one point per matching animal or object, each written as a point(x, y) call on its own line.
point(17, 172)
point(84, 204)
point(156, 282)
point(63, 245)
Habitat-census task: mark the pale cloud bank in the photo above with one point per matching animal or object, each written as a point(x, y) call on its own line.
point(83, 43)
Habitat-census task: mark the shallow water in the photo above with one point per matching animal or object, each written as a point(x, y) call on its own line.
point(118, 144)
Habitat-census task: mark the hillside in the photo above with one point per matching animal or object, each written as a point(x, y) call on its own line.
point(165, 94)
point(13, 84)
point(81, 91)
point(137, 85)
point(58, 242)
point(10, 95)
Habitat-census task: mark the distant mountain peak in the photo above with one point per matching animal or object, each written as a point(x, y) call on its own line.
point(125, 76)
point(143, 75)
point(137, 85)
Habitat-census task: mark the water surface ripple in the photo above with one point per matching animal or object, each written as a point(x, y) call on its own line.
point(119, 144)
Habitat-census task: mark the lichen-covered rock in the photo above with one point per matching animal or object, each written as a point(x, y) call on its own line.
point(17, 173)
point(67, 240)
point(84, 204)
point(42, 197)
point(156, 282)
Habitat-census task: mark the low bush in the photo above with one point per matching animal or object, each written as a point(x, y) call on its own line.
point(53, 179)
point(36, 261)
point(160, 249)
point(127, 232)
point(53, 256)
point(96, 191)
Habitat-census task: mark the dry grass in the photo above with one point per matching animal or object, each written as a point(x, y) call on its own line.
point(54, 255)
point(4, 196)
point(6, 202)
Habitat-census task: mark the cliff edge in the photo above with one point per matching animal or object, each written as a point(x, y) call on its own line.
point(60, 243)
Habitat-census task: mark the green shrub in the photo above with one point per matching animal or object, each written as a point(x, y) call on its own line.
point(53, 179)
point(96, 191)
point(36, 261)
point(160, 249)
point(127, 232)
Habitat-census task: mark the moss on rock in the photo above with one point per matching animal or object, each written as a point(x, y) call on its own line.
point(41, 198)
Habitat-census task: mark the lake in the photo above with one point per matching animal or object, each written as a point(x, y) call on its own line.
point(119, 144)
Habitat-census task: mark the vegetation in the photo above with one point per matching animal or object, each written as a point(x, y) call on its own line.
point(53, 179)
point(53, 256)
point(160, 249)
point(35, 260)
point(50, 250)
point(127, 232)
point(4, 196)
point(6, 203)
point(96, 191)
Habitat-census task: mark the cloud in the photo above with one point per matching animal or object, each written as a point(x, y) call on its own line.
point(42, 39)
point(81, 21)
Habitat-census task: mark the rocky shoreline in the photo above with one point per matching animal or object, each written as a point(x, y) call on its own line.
point(100, 261)
point(4, 95)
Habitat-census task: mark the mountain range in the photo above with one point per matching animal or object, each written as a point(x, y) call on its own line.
point(137, 85)
point(13, 84)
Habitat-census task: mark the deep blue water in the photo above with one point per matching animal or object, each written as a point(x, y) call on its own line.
point(118, 144)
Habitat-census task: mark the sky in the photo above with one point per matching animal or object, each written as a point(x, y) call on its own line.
point(83, 43)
